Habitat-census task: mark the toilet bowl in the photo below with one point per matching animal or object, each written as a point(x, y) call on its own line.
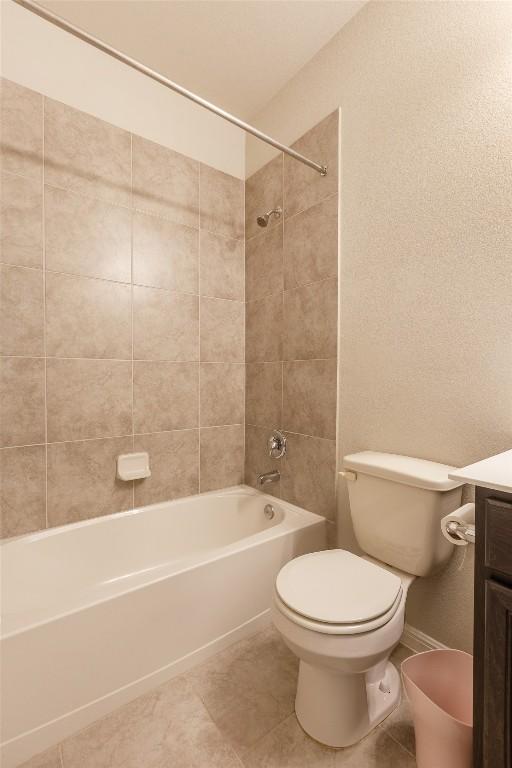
point(346, 683)
point(342, 614)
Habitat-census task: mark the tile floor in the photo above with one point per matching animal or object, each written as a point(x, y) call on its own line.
point(234, 711)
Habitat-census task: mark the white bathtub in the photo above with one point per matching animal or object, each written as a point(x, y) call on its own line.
point(98, 612)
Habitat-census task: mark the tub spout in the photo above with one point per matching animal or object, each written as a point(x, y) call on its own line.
point(269, 477)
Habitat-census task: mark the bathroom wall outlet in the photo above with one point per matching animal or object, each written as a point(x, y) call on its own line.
point(133, 466)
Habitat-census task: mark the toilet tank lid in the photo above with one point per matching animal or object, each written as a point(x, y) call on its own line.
point(403, 469)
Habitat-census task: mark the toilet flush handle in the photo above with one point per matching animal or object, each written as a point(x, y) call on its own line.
point(348, 475)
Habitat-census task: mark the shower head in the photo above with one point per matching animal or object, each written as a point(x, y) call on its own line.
point(262, 221)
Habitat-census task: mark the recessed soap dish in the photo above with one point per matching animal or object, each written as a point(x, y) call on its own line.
point(133, 466)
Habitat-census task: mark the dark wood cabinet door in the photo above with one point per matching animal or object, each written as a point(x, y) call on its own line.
point(497, 725)
point(498, 536)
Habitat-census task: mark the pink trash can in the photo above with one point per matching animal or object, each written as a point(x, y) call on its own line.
point(439, 686)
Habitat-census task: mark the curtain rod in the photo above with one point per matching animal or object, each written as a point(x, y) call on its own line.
point(58, 21)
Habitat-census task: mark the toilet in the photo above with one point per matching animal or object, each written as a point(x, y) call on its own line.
point(342, 614)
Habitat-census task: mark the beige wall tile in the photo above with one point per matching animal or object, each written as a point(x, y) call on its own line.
point(174, 461)
point(82, 480)
point(22, 490)
point(257, 460)
point(221, 203)
point(222, 457)
point(165, 325)
point(264, 264)
point(21, 129)
point(310, 321)
point(264, 384)
point(263, 192)
point(264, 325)
point(88, 398)
point(309, 474)
point(309, 397)
point(85, 154)
point(222, 266)
point(165, 182)
point(303, 187)
point(222, 331)
point(311, 244)
point(48, 759)
point(87, 318)
point(165, 254)
point(21, 311)
point(222, 394)
point(291, 313)
point(21, 401)
point(165, 396)
point(21, 222)
point(87, 237)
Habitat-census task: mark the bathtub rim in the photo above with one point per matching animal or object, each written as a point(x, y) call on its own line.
point(134, 511)
point(186, 564)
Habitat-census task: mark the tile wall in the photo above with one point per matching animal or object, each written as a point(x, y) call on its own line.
point(291, 270)
point(122, 317)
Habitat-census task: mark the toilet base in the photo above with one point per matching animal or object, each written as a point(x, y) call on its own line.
point(339, 709)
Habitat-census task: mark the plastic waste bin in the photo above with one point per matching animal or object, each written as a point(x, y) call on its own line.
point(439, 686)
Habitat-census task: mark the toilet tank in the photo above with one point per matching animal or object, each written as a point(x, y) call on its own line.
point(396, 505)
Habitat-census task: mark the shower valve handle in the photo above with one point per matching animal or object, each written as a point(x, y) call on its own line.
point(276, 445)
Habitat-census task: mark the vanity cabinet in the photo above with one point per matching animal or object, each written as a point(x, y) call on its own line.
point(493, 630)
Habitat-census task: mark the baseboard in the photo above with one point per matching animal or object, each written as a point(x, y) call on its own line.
point(418, 641)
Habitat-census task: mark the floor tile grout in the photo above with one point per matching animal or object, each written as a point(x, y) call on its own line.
point(397, 741)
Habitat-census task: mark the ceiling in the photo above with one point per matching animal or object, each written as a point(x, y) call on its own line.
point(236, 53)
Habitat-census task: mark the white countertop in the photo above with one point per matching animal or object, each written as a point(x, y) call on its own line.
point(495, 473)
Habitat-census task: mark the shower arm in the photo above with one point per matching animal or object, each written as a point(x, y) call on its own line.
point(60, 22)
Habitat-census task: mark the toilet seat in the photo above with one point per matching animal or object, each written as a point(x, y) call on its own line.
point(337, 592)
point(337, 629)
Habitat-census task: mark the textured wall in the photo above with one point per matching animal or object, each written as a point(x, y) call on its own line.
point(426, 233)
point(291, 292)
point(122, 317)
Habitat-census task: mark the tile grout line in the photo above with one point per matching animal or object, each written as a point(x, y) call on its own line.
point(290, 360)
point(245, 331)
point(265, 735)
point(295, 288)
point(109, 281)
point(132, 206)
point(45, 349)
point(393, 738)
point(281, 477)
point(199, 355)
point(121, 436)
point(338, 315)
point(290, 432)
point(161, 288)
point(318, 203)
point(226, 740)
point(132, 310)
point(167, 361)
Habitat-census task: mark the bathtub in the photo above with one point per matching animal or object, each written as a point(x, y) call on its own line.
point(98, 612)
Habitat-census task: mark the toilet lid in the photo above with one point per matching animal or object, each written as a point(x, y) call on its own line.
point(337, 587)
